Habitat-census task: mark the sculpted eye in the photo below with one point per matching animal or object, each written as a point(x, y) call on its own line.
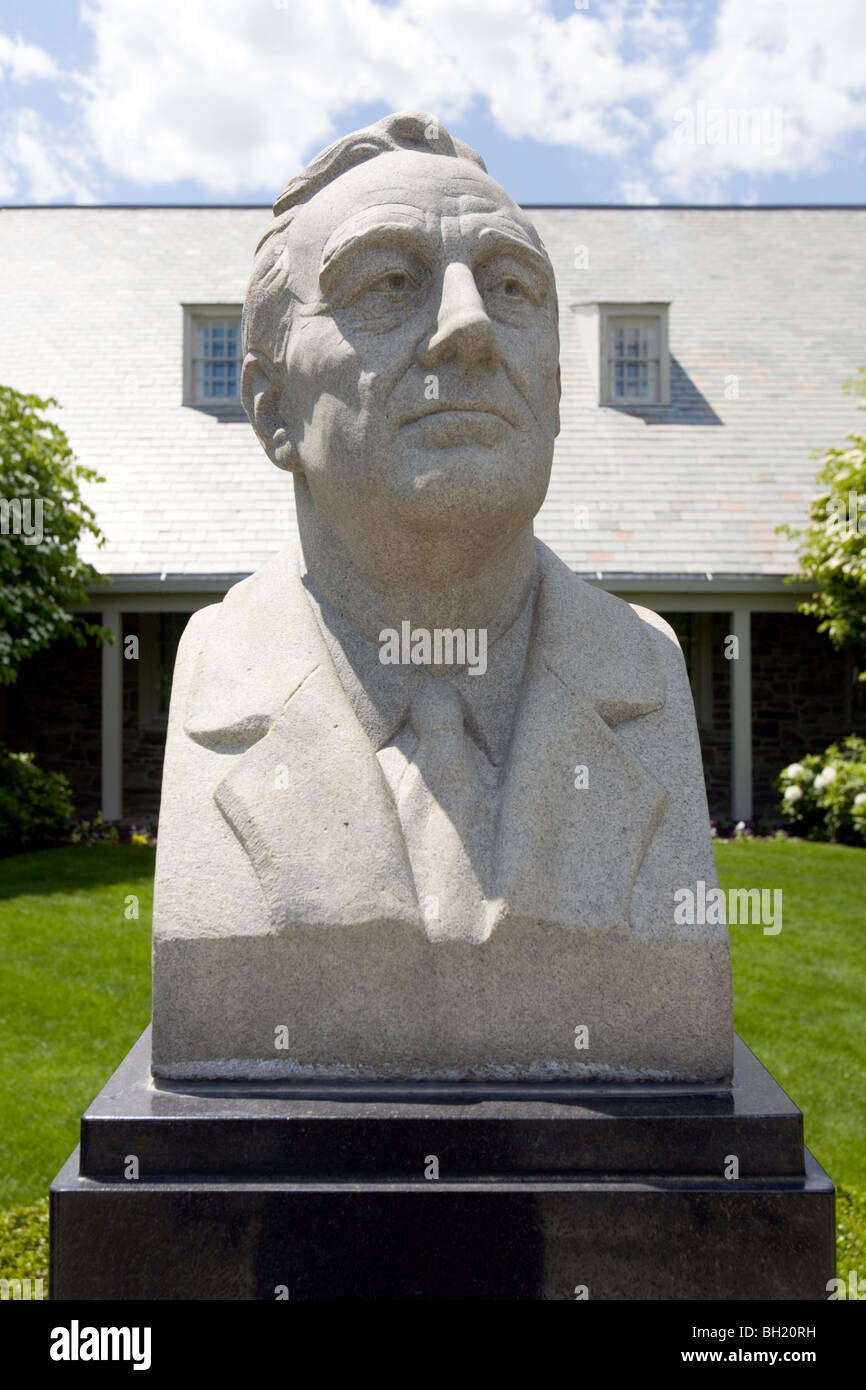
point(379, 293)
point(394, 282)
point(508, 292)
point(510, 287)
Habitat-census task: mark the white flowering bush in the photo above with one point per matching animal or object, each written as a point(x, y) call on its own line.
point(823, 795)
point(799, 801)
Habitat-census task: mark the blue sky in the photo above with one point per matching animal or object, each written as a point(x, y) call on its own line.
point(569, 101)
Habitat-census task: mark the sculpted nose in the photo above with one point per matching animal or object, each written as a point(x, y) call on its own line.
point(463, 329)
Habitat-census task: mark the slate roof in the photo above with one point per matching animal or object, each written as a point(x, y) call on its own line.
point(91, 314)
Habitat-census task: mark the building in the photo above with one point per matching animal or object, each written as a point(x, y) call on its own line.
point(703, 355)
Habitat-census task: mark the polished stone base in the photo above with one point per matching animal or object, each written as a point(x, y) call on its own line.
point(433, 1190)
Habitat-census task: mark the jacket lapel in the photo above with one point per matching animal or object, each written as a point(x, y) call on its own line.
point(306, 796)
point(307, 800)
point(577, 810)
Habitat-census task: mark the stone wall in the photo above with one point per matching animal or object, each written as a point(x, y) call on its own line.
point(714, 722)
point(716, 740)
point(143, 749)
point(144, 730)
point(803, 698)
point(54, 710)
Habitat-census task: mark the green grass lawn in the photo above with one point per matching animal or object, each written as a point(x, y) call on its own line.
point(800, 997)
point(75, 994)
point(800, 1003)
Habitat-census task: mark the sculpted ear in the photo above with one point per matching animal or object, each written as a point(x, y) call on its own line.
point(261, 396)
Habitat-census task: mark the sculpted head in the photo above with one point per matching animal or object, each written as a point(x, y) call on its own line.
point(401, 338)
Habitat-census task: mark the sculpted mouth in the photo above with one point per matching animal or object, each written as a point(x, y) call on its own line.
point(453, 408)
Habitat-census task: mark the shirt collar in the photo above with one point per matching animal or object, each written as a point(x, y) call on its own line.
point(381, 695)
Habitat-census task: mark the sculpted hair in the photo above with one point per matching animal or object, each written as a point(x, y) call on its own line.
point(269, 300)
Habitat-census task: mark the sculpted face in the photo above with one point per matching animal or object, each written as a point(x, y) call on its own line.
point(421, 375)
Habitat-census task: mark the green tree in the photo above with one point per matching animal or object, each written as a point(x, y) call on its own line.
point(42, 519)
point(832, 548)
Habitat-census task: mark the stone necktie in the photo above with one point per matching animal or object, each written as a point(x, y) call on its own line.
point(441, 804)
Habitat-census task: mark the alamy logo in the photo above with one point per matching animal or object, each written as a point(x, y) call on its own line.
point(444, 646)
point(21, 1289)
point(847, 516)
point(856, 1287)
point(76, 1343)
point(728, 125)
point(708, 907)
point(22, 516)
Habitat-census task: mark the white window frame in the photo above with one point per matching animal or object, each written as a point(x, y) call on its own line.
point(193, 314)
point(607, 314)
point(593, 324)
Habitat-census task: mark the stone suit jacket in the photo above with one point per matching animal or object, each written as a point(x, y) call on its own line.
point(277, 826)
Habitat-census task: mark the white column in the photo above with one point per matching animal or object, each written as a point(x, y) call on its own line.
point(112, 717)
point(741, 715)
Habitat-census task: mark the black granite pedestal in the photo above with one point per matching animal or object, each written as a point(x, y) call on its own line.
point(440, 1191)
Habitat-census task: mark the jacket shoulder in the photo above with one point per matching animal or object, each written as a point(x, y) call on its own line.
point(249, 654)
point(622, 655)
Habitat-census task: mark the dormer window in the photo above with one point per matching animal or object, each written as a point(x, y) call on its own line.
point(212, 357)
point(633, 359)
point(627, 351)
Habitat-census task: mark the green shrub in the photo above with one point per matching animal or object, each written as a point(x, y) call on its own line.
point(34, 804)
point(824, 795)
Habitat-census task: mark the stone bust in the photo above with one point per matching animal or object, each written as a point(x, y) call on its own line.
point(428, 796)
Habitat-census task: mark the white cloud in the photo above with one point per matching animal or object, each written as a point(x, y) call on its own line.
point(637, 191)
point(38, 162)
point(796, 68)
point(39, 165)
point(24, 61)
point(235, 95)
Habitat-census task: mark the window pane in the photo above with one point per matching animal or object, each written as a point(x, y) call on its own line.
point(216, 362)
point(634, 357)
